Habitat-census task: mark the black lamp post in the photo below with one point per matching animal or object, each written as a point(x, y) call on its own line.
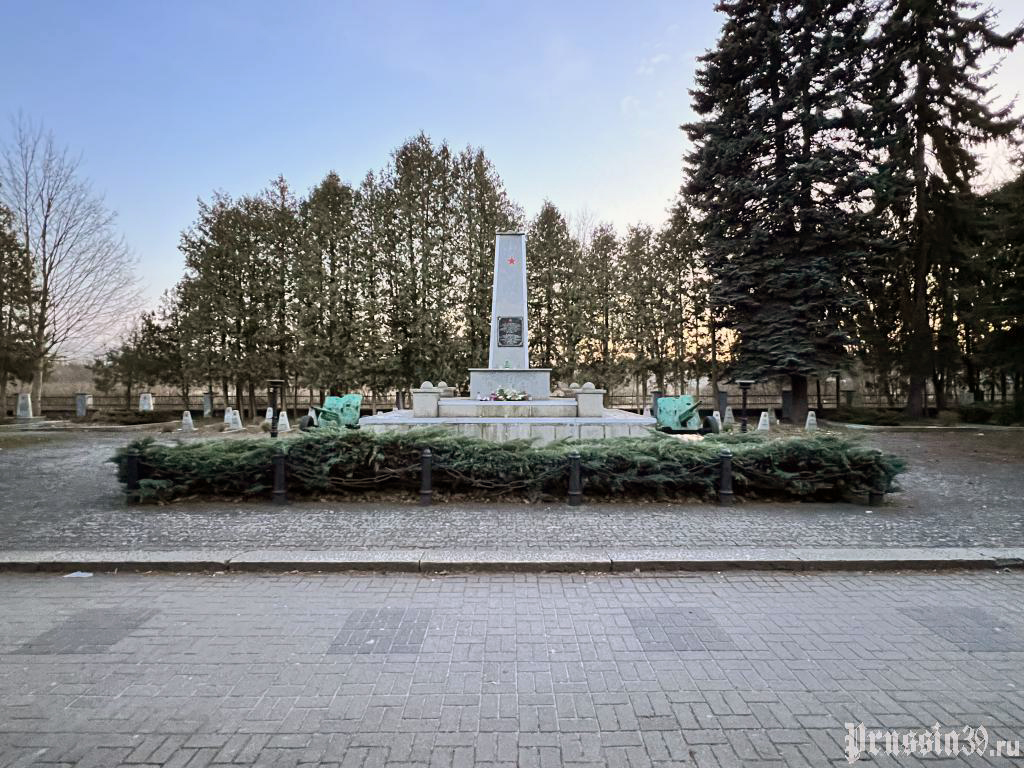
point(745, 385)
point(274, 386)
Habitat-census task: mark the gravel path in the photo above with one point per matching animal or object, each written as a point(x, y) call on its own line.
point(963, 489)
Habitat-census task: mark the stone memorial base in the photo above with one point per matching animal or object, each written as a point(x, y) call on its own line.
point(544, 421)
point(536, 382)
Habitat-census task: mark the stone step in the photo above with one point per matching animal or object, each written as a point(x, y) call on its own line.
point(525, 409)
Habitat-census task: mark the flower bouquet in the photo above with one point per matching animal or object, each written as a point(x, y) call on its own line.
point(508, 395)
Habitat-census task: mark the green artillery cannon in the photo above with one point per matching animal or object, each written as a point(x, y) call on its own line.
point(336, 411)
point(679, 415)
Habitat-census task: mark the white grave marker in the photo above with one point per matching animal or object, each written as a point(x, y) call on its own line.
point(763, 425)
point(146, 402)
point(24, 406)
point(186, 422)
point(812, 422)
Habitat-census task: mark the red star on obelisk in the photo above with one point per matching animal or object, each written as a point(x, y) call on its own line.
point(512, 260)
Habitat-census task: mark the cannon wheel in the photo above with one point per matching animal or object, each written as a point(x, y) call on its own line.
point(306, 423)
point(710, 426)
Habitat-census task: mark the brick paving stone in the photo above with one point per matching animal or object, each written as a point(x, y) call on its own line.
point(578, 670)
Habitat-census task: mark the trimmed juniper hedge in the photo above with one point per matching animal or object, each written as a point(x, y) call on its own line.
point(345, 463)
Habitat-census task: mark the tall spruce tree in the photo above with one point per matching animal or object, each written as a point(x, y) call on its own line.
point(776, 179)
point(685, 285)
point(648, 327)
point(16, 298)
point(930, 106)
point(603, 308)
point(550, 248)
point(995, 339)
point(331, 322)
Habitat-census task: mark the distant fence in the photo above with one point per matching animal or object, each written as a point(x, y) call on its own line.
point(627, 402)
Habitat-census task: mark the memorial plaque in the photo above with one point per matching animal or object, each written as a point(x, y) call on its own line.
point(510, 331)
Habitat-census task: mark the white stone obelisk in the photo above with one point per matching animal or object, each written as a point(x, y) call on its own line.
point(510, 335)
point(508, 362)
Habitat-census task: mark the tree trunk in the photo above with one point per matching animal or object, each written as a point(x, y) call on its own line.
point(798, 384)
point(817, 390)
point(938, 381)
point(37, 386)
point(916, 397)
point(238, 396)
point(714, 364)
point(919, 344)
point(3, 393)
point(252, 401)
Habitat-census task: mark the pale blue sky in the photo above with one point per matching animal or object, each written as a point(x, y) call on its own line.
point(578, 102)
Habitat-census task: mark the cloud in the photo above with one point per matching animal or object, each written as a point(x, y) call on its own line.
point(647, 66)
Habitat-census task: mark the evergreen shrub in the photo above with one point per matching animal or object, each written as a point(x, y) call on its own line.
point(344, 463)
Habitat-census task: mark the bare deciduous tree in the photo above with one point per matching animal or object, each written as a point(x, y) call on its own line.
point(83, 271)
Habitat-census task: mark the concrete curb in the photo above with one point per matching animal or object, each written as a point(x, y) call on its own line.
point(528, 560)
point(921, 427)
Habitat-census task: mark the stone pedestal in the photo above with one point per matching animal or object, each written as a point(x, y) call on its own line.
point(424, 401)
point(82, 402)
point(24, 410)
point(589, 401)
point(536, 382)
point(540, 418)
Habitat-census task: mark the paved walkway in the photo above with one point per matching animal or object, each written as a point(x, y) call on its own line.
point(963, 490)
point(529, 670)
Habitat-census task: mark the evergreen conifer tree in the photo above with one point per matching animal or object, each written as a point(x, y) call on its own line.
point(929, 107)
point(16, 297)
point(776, 180)
point(550, 248)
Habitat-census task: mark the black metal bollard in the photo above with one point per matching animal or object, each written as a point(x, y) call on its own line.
point(280, 493)
point(575, 483)
point(131, 471)
point(725, 494)
point(426, 481)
